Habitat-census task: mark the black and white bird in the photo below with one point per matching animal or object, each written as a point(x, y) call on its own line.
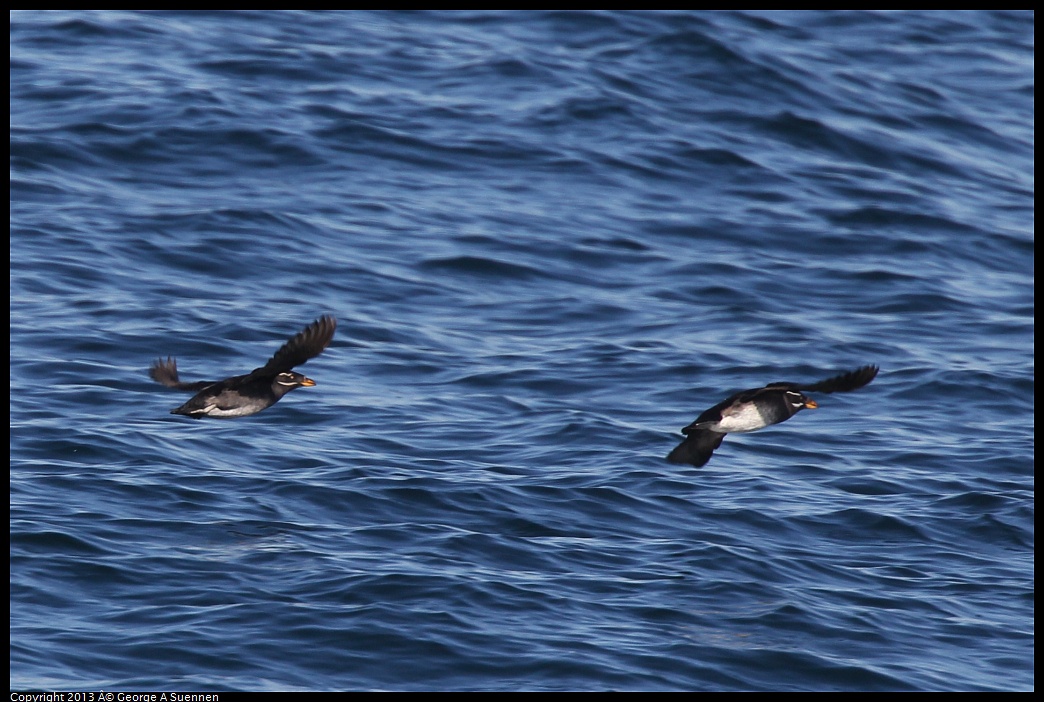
point(243, 395)
point(755, 409)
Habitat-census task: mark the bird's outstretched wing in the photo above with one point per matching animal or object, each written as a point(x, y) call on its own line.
point(839, 383)
point(166, 373)
point(308, 344)
point(697, 448)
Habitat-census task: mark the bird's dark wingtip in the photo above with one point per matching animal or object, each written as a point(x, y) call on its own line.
point(305, 345)
point(846, 382)
point(696, 449)
point(863, 376)
point(165, 372)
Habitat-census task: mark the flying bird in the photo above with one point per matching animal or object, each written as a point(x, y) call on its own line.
point(755, 409)
point(243, 395)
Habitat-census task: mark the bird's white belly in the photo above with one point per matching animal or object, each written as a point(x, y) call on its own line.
point(215, 411)
point(744, 418)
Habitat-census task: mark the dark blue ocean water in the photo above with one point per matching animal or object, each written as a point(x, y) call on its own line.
point(551, 240)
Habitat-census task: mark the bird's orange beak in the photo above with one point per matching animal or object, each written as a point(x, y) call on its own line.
point(307, 383)
point(809, 404)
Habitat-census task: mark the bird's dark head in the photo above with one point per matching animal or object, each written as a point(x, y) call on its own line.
point(285, 382)
point(799, 401)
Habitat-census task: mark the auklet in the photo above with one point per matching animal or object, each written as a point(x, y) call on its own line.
point(755, 409)
point(244, 395)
